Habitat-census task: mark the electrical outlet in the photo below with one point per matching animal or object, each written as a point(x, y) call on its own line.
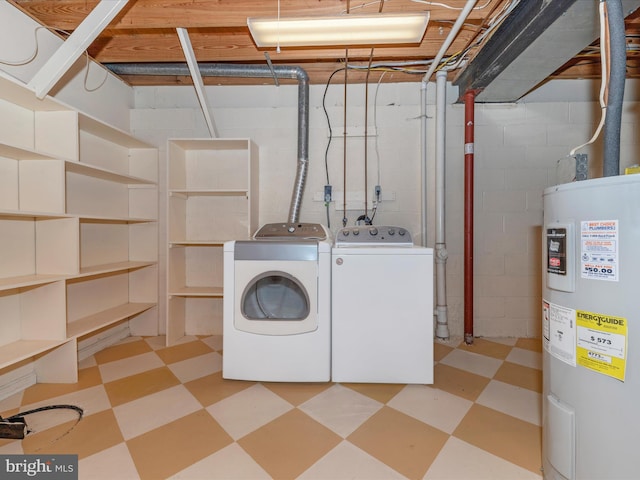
point(327, 194)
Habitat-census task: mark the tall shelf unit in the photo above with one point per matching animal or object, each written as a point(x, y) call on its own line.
point(79, 232)
point(213, 198)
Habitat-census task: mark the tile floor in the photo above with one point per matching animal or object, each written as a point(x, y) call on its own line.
point(153, 412)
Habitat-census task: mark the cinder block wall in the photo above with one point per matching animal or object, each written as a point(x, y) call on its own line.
point(520, 149)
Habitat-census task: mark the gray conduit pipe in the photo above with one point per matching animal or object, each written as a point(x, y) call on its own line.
point(617, 78)
point(246, 71)
point(440, 312)
point(441, 255)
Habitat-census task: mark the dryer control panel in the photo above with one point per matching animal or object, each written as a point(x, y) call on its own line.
point(373, 235)
point(297, 231)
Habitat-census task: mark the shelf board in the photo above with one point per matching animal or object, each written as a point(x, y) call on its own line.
point(110, 268)
point(103, 174)
point(197, 243)
point(208, 192)
point(18, 153)
point(34, 215)
point(218, 144)
point(96, 127)
point(196, 292)
point(29, 281)
point(15, 352)
point(20, 95)
point(91, 323)
point(102, 219)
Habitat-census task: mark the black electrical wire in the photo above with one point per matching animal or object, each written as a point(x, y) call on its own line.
point(20, 416)
point(326, 151)
point(17, 416)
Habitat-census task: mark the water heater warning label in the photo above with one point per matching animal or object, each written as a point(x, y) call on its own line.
point(599, 249)
point(602, 343)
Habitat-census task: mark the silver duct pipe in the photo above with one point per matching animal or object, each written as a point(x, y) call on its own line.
point(246, 71)
point(617, 78)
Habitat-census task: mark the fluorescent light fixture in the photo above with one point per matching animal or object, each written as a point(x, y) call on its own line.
point(338, 30)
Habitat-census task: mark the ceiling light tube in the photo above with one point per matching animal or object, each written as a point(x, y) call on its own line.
point(380, 29)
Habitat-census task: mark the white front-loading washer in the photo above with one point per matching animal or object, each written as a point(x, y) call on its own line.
point(382, 307)
point(277, 305)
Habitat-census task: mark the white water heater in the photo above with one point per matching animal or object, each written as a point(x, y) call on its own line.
point(591, 329)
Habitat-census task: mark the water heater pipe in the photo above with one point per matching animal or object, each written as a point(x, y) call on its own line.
point(617, 78)
point(469, 127)
point(441, 255)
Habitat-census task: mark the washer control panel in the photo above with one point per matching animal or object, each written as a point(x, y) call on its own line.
point(373, 235)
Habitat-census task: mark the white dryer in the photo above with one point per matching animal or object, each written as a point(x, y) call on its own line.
point(277, 305)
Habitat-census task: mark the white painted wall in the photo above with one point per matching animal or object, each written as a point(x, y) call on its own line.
point(520, 150)
point(89, 87)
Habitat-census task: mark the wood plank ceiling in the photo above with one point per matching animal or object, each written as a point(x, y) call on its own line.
point(145, 32)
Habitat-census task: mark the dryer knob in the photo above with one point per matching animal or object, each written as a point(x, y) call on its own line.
point(373, 231)
point(291, 229)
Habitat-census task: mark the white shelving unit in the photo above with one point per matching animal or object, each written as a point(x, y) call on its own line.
point(78, 232)
point(213, 197)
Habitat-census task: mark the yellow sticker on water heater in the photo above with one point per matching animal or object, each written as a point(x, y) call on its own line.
point(602, 343)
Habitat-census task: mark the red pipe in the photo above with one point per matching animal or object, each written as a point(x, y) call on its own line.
point(469, 99)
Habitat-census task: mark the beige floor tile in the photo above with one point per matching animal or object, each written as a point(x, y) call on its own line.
point(472, 362)
point(248, 410)
point(534, 344)
point(213, 388)
point(214, 342)
point(89, 436)
point(432, 406)
point(341, 409)
point(487, 347)
point(183, 351)
point(515, 401)
point(129, 366)
point(122, 350)
point(171, 448)
point(459, 382)
point(196, 367)
point(382, 392)
point(521, 376)
point(91, 400)
point(460, 460)
point(400, 441)
point(109, 464)
point(528, 358)
point(297, 393)
point(440, 351)
point(348, 462)
point(229, 463)
point(149, 412)
point(88, 377)
point(507, 437)
point(136, 386)
point(290, 444)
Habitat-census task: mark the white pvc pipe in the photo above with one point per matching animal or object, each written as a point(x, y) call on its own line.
point(423, 142)
point(442, 324)
point(466, 10)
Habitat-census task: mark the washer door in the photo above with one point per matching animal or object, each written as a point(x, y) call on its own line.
point(278, 298)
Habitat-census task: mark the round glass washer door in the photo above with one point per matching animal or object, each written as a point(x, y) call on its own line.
point(275, 296)
point(275, 302)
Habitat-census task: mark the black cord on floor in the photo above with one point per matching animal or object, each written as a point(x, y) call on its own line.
point(19, 417)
